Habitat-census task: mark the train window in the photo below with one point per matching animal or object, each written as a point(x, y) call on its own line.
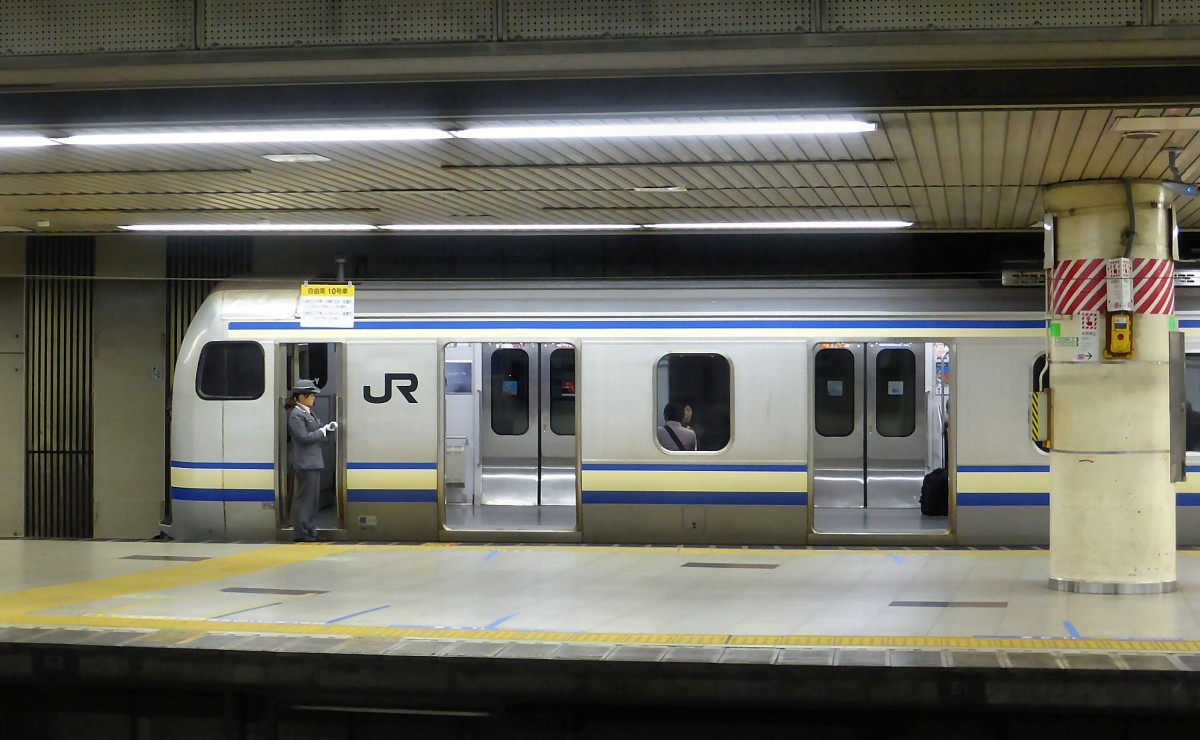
point(231, 371)
point(1041, 382)
point(833, 406)
point(1191, 380)
point(562, 391)
point(510, 392)
point(699, 383)
point(895, 392)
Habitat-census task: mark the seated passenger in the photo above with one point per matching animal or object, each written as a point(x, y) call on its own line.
point(674, 435)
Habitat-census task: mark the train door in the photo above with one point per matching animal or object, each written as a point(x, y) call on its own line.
point(510, 442)
point(323, 363)
point(879, 425)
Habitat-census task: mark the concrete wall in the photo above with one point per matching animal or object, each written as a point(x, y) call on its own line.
point(12, 386)
point(129, 385)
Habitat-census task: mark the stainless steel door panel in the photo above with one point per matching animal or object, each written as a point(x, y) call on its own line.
point(510, 461)
point(558, 409)
point(895, 453)
point(837, 425)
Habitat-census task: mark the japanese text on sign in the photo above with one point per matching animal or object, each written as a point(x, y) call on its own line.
point(327, 306)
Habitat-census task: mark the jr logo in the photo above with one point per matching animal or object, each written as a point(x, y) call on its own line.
point(406, 383)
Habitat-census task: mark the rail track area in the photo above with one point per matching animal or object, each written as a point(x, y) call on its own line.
point(157, 639)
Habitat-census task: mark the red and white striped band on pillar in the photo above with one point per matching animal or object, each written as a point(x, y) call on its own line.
point(1079, 285)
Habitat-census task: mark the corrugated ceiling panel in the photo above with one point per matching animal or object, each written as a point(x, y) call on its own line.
point(261, 23)
point(944, 15)
point(553, 19)
point(89, 26)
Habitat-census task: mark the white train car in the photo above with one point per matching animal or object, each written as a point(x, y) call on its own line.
point(532, 412)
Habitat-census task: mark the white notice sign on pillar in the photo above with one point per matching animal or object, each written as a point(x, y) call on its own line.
point(1089, 337)
point(327, 306)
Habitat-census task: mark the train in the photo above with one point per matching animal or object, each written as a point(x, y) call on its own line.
point(533, 412)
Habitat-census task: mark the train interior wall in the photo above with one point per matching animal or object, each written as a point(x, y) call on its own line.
point(132, 353)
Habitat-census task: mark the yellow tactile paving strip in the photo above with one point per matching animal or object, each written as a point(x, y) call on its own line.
point(20, 608)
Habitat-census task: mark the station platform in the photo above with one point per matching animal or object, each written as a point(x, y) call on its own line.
point(449, 630)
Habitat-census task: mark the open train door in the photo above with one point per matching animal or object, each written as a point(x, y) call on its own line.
point(511, 444)
point(879, 425)
point(323, 363)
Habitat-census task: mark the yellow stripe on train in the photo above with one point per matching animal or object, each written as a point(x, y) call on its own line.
point(399, 480)
point(1003, 482)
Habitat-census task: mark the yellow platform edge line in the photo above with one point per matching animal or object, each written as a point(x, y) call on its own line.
point(615, 638)
point(161, 579)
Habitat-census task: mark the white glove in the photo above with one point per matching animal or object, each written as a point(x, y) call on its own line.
point(330, 427)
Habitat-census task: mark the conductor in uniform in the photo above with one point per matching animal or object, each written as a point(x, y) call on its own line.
point(306, 433)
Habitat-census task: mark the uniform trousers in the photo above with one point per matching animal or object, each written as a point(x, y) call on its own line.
point(304, 503)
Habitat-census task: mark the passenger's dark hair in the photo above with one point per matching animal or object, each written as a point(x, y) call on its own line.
point(673, 411)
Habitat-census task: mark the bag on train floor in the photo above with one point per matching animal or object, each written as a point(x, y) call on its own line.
point(935, 493)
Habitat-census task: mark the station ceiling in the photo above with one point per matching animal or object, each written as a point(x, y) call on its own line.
point(951, 153)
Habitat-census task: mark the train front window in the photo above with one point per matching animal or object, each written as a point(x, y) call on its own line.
point(510, 392)
point(697, 388)
point(231, 371)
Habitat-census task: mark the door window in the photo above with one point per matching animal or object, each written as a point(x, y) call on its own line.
point(833, 373)
point(562, 392)
point(510, 392)
point(895, 392)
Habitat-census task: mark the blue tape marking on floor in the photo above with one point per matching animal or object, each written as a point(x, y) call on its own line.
point(1074, 633)
point(243, 611)
point(898, 559)
point(501, 621)
point(491, 555)
point(357, 614)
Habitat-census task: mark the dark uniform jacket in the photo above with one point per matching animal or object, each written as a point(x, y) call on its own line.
point(304, 429)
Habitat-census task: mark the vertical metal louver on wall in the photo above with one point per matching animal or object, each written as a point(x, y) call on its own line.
point(58, 386)
point(195, 264)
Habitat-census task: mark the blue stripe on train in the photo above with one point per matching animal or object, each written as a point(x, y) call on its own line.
point(222, 495)
point(695, 498)
point(514, 324)
point(222, 465)
point(1004, 468)
point(386, 496)
point(1003, 499)
point(391, 466)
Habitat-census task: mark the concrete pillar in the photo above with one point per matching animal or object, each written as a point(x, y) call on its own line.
point(1112, 502)
point(129, 377)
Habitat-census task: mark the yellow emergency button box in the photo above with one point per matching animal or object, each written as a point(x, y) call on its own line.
point(1119, 342)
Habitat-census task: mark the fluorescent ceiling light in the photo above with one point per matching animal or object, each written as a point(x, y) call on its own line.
point(258, 137)
point(1157, 123)
point(511, 227)
point(295, 158)
point(15, 142)
point(785, 225)
point(661, 189)
point(612, 131)
point(248, 227)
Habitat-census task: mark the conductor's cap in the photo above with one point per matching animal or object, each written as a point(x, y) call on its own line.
point(304, 387)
